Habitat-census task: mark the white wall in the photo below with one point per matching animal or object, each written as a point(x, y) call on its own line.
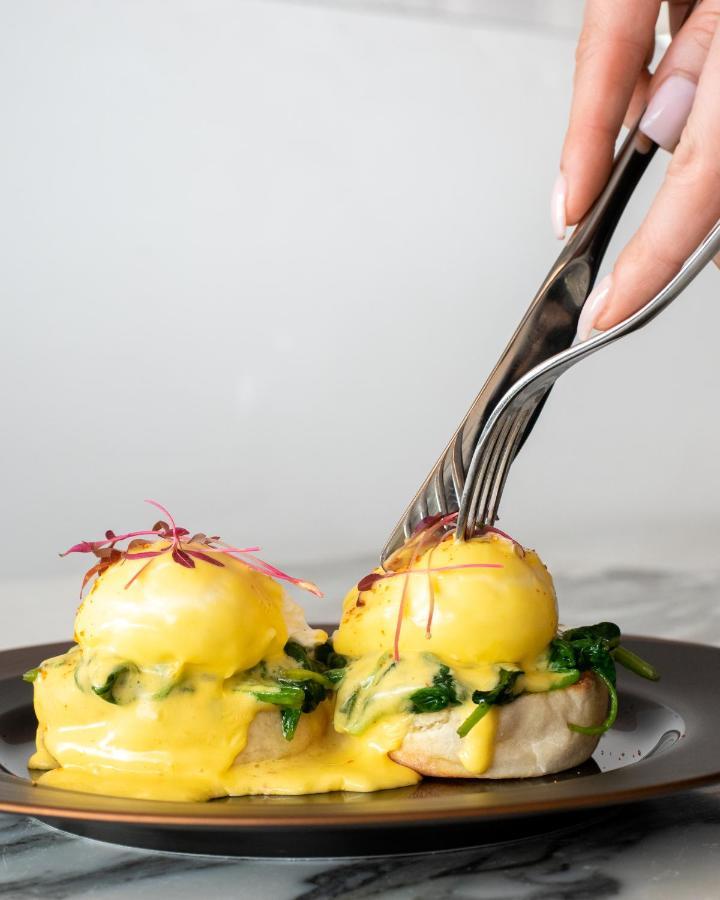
point(257, 259)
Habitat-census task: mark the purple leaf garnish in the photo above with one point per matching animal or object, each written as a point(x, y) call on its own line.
point(368, 581)
point(204, 557)
point(181, 557)
point(184, 552)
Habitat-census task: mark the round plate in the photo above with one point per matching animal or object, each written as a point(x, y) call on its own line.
point(663, 741)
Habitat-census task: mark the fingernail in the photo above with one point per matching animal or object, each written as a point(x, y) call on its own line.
point(558, 201)
point(594, 308)
point(668, 110)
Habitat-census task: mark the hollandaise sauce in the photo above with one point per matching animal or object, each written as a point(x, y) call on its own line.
point(184, 739)
point(188, 684)
point(195, 680)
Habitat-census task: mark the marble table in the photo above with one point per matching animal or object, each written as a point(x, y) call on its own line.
point(660, 849)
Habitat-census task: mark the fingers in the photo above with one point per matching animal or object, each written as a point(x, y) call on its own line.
point(688, 203)
point(672, 86)
point(615, 41)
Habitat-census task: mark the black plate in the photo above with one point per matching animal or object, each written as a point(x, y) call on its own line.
point(663, 741)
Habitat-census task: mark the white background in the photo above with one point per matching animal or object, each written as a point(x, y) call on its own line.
point(256, 259)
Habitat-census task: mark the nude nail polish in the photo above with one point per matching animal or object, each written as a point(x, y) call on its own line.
point(558, 202)
point(594, 307)
point(668, 110)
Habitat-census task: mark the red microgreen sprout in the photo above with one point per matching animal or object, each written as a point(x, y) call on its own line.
point(490, 529)
point(183, 550)
point(431, 596)
point(426, 536)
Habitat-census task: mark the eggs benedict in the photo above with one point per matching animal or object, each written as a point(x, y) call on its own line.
point(190, 659)
point(195, 676)
point(459, 641)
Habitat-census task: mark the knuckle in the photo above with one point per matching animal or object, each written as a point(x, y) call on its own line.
point(596, 40)
point(703, 27)
point(693, 163)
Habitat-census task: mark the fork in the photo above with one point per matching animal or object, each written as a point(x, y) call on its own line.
point(470, 475)
point(501, 436)
point(548, 327)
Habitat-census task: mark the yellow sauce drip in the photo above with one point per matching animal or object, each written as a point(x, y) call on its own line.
point(477, 747)
point(341, 762)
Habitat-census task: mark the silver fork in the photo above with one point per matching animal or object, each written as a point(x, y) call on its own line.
point(548, 327)
point(502, 434)
point(470, 475)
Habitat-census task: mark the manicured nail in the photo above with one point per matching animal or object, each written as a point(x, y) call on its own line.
point(558, 202)
point(594, 308)
point(668, 110)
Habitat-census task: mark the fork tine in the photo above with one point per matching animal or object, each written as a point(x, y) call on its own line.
point(488, 515)
point(477, 476)
point(457, 464)
point(507, 424)
point(495, 450)
point(439, 491)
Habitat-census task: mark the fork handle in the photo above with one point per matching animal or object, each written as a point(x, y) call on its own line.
point(547, 328)
point(550, 324)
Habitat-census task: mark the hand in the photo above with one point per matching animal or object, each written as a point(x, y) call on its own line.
point(612, 86)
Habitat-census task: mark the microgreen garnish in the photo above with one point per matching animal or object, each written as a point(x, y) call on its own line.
point(370, 580)
point(428, 534)
point(183, 549)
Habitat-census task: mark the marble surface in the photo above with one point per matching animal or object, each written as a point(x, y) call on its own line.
point(660, 849)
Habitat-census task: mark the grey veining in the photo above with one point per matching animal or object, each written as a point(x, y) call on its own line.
point(661, 849)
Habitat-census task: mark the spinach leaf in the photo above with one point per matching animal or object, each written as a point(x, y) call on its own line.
point(302, 689)
point(289, 719)
point(321, 659)
point(183, 686)
point(609, 719)
point(596, 648)
point(604, 631)
point(502, 693)
point(635, 663)
point(293, 696)
point(301, 655)
point(288, 696)
point(327, 657)
point(587, 648)
point(349, 705)
point(314, 695)
point(561, 656)
point(440, 695)
point(306, 675)
point(106, 690)
point(335, 676)
point(356, 705)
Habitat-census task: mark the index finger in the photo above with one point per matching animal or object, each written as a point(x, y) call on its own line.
point(611, 53)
